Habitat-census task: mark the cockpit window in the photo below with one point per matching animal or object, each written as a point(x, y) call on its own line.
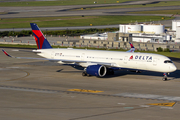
point(168, 61)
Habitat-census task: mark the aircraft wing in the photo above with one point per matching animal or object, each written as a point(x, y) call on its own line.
point(31, 51)
point(64, 60)
point(132, 48)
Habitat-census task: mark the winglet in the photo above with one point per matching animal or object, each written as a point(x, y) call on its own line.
point(6, 53)
point(132, 48)
point(131, 45)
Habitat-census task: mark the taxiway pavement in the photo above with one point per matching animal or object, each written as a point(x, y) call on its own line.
point(32, 89)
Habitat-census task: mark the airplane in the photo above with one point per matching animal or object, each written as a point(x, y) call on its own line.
point(100, 62)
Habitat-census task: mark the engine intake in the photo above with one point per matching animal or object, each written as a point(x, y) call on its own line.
point(96, 70)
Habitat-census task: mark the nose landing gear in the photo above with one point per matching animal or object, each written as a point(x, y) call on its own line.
point(165, 76)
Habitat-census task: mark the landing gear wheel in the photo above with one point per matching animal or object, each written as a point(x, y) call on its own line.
point(84, 74)
point(88, 75)
point(164, 78)
point(137, 71)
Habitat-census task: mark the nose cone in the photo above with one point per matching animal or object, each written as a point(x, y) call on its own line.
point(173, 68)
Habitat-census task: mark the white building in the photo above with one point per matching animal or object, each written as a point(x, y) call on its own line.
point(175, 24)
point(102, 36)
point(151, 38)
point(153, 33)
point(176, 28)
point(142, 28)
point(153, 28)
point(137, 28)
point(178, 32)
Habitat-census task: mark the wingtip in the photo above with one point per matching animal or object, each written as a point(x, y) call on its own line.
point(3, 50)
point(6, 53)
point(131, 45)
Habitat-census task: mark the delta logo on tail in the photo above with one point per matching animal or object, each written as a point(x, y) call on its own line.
point(41, 41)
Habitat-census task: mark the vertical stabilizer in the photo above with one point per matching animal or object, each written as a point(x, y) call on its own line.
point(41, 41)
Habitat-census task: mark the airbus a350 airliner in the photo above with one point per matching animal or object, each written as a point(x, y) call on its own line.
point(99, 62)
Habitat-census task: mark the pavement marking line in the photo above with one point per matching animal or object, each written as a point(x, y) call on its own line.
point(26, 89)
point(80, 91)
point(129, 107)
point(149, 96)
point(83, 90)
point(27, 74)
point(144, 106)
point(15, 68)
point(171, 104)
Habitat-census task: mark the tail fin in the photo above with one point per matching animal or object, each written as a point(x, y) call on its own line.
point(41, 41)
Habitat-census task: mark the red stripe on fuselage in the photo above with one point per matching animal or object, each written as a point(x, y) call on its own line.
point(40, 36)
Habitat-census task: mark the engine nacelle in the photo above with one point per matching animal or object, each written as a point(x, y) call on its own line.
point(96, 70)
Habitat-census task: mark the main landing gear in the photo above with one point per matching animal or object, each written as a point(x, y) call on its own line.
point(165, 76)
point(85, 74)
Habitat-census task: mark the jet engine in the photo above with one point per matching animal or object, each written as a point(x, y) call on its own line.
point(96, 70)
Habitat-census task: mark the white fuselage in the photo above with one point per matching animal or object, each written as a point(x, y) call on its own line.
point(129, 60)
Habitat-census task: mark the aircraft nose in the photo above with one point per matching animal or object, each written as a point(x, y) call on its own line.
point(173, 68)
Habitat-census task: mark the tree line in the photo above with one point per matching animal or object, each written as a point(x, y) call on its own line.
point(58, 32)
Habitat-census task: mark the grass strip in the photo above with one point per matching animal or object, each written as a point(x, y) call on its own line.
point(76, 21)
point(174, 12)
point(17, 46)
point(85, 2)
point(59, 3)
point(157, 4)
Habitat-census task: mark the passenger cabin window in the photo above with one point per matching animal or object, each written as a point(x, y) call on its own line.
point(168, 61)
